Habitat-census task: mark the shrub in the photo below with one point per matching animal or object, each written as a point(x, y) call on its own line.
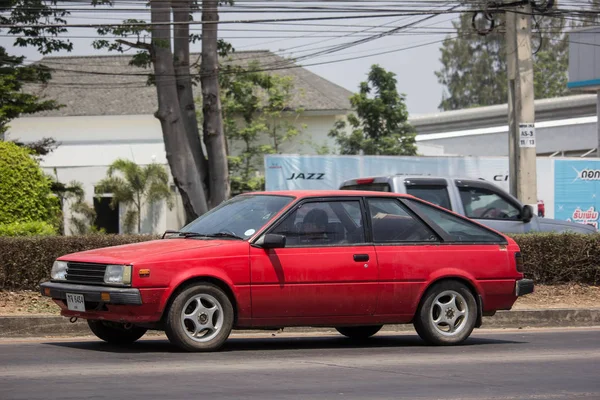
point(552, 258)
point(27, 261)
point(549, 258)
point(25, 194)
point(36, 228)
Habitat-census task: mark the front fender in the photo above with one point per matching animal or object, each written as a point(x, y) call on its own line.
point(241, 293)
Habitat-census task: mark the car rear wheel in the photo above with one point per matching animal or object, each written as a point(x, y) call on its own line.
point(359, 332)
point(115, 333)
point(200, 318)
point(447, 314)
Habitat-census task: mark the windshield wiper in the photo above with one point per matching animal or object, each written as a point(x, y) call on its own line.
point(183, 234)
point(206, 235)
point(225, 234)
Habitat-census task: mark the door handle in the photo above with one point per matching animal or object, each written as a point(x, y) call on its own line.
point(361, 257)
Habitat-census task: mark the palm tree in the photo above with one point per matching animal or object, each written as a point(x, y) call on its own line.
point(137, 186)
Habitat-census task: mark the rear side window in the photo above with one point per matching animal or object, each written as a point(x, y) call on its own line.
point(437, 195)
point(459, 229)
point(391, 223)
point(371, 187)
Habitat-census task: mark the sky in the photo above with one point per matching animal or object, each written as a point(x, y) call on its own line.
point(413, 55)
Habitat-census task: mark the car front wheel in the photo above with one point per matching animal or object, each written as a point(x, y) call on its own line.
point(115, 333)
point(359, 332)
point(447, 314)
point(200, 318)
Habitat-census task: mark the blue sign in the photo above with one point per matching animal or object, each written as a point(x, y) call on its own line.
point(577, 191)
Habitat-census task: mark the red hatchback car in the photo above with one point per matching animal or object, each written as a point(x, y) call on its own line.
point(350, 260)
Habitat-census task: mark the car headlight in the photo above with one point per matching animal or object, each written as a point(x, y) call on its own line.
point(59, 271)
point(118, 274)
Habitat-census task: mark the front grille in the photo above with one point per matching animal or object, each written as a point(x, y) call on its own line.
point(79, 272)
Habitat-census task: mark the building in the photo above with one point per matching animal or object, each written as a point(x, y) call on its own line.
point(109, 110)
point(565, 126)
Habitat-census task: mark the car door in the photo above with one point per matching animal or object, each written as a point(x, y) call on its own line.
point(405, 248)
point(326, 268)
point(492, 208)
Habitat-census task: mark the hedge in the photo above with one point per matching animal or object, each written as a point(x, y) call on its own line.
point(549, 258)
point(27, 261)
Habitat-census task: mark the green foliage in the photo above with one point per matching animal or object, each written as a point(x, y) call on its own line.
point(83, 214)
point(13, 74)
point(13, 101)
point(258, 120)
point(27, 261)
point(474, 71)
point(25, 194)
point(45, 14)
point(379, 124)
point(34, 228)
point(133, 185)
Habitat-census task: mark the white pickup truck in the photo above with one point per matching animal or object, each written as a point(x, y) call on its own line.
point(474, 198)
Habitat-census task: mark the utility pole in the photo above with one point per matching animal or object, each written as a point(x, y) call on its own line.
point(522, 138)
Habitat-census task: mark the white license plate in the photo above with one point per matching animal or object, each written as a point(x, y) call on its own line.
point(75, 302)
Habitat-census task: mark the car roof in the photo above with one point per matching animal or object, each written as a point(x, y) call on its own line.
point(329, 193)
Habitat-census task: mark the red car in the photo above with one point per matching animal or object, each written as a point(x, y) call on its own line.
point(345, 259)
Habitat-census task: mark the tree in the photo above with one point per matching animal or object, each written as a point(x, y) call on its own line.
point(25, 194)
point(262, 102)
point(132, 185)
point(379, 124)
point(202, 181)
point(81, 220)
point(13, 73)
point(474, 66)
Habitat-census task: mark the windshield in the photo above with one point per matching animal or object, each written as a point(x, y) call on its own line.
point(241, 216)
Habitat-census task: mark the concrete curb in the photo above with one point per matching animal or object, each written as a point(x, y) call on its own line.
point(43, 325)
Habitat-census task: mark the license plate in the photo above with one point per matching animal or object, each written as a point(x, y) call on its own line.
point(75, 302)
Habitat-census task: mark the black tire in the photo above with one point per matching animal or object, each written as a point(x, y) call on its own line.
point(359, 332)
point(178, 330)
point(115, 333)
point(428, 312)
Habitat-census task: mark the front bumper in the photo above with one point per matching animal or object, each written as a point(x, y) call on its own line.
point(523, 287)
point(92, 294)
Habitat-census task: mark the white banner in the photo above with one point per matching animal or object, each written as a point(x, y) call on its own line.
point(296, 172)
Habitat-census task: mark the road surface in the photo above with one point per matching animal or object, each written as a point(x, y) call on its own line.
point(500, 365)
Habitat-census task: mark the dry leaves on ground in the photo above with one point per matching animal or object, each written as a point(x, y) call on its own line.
point(559, 296)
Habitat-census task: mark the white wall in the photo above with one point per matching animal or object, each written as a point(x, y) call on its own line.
point(87, 129)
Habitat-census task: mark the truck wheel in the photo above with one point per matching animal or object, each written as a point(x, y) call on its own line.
point(115, 333)
point(200, 318)
point(359, 332)
point(447, 314)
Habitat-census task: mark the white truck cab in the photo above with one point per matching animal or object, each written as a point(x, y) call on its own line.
point(474, 198)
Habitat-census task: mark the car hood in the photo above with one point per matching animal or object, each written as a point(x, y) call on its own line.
point(549, 225)
point(130, 253)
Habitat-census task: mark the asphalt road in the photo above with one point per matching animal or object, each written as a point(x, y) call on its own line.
point(536, 364)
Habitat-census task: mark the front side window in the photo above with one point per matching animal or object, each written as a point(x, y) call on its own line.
point(326, 223)
point(482, 203)
point(459, 229)
point(391, 223)
point(241, 216)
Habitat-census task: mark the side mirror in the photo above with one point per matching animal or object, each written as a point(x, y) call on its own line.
point(527, 214)
point(273, 241)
